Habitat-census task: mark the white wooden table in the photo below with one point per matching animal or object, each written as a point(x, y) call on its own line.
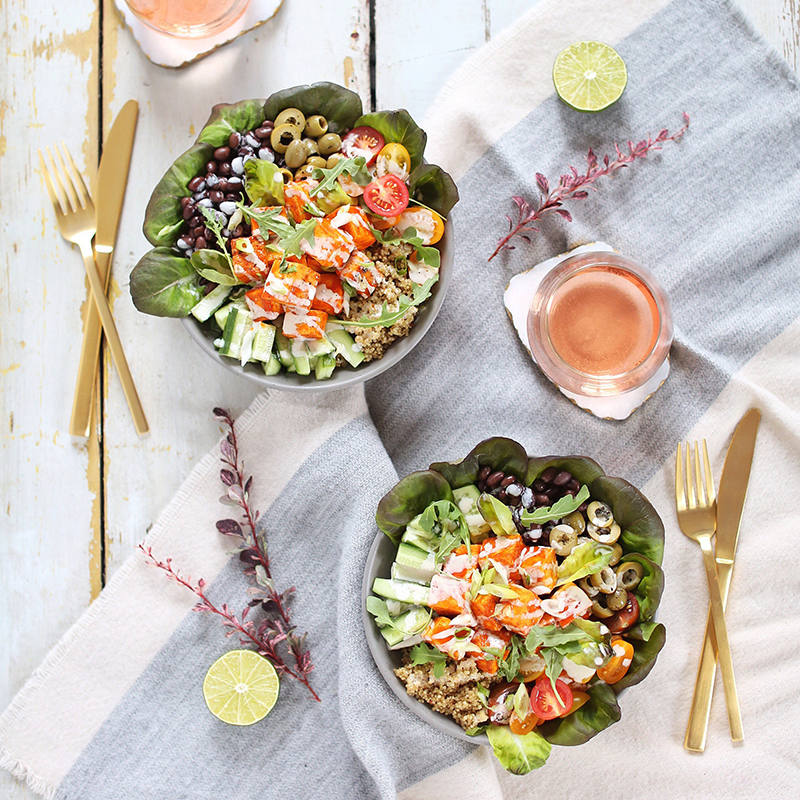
point(72, 510)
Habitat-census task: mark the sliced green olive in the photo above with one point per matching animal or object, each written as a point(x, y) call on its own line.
point(616, 554)
point(606, 535)
point(576, 521)
point(605, 580)
point(282, 136)
point(599, 514)
point(563, 539)
point(333, 159)
point(317, 161)
point(296, 154)
point(311, 146)
point(617, 600)
point(288, 175)
point(630, 574)
point(329, 144)
point(599, 610)
point(316, 126)
point(587, 587)
point(291, 116)
point(304, 172)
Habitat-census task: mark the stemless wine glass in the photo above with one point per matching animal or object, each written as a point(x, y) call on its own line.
point(188, 18)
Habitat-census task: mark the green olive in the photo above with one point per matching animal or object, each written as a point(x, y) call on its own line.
point(599, 610)
point(329, 143)
point(316, 126)
point(282, 136)
point(605, 580)
point(295, 155)
point(333, 159)
point(616, 554)
point(562, 539)
point(630, 574)
point(317, 161)
point(304, 172)
point(599, 514)
point(617, 600)
point(291, 116)
point(311, 146)
point(605, 535)
point(288, 175)
point(576, 521)
point(587, 587)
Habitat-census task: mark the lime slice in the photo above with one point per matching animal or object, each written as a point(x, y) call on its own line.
point(589, 76)
point(241, 687)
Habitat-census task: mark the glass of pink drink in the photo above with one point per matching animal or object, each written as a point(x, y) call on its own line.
point(188, 18)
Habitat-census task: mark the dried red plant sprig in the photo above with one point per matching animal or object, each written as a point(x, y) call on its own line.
point(574, 186)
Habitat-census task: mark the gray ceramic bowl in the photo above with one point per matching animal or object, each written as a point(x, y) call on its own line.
point(205, 333)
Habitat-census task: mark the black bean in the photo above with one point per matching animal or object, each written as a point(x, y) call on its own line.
point(200, 243)
point(212, 167)
point(208, 235)
point(223, 185)
point(507, 481)
point(188, 212)
point(196, 183)
point(583, 506)
point(562, 479)
point(570, 492)
point(548, 474)
point(189, 239)
point(541, 500)
point(573, 484)
point(225, 168)
point(494, 479)
point(185, 201)
point(481, 486)
point(222, 153)
point(264, 132)
point(234, 181)
point(195, 221)
point(237, 231)
point(234, 139)
point(244, 151)
point(231, 197)
point(216, 197)
point(539, 485)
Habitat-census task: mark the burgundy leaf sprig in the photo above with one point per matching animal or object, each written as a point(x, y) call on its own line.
point(274, 634)
point(574, 186)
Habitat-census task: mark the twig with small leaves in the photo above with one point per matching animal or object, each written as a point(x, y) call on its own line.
point(276, 631)
point(574, 186)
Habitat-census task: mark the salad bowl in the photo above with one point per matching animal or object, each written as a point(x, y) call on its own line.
point(304, 244)
point(640, 539)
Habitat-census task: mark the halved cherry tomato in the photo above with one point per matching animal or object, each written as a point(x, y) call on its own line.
point(619, 663)
point(627, 618)
point(394, 159)
point(523, 726)
point(427, 223)
point(363, 141)
point(579, 699)
point(386, 196)
point(546, 704)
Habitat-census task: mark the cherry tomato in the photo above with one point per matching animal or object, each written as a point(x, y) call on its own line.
point(427, 223)
point(393, 159)
point(363, 141)
point(544, 701)
point(579, 699)
point(622, 620)
point(523, 726)
point(618, 665)
point(531, 667)
point(386, 196)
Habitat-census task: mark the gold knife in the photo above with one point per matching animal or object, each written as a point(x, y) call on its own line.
point(112, 177)
point(730, 503)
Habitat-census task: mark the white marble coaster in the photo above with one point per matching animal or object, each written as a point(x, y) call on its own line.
point(172, 51)
point(518, 297)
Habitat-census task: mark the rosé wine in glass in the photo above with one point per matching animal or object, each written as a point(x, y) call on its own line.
point(188, 18)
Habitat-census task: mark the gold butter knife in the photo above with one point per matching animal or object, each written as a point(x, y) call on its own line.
point(112, 178)
point(730, 503)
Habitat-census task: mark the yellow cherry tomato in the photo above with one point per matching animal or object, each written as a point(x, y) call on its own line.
point(427, 223)
point(619, 663)
point(393, 159)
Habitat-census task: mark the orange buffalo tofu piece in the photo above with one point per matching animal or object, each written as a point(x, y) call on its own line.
point(295, 285)
point(566, 603)
point(490, 640)
point(503, 550)
point(304, 323)
point(483, 606)
point(448, 595)
point(296, 194)
point(538, 568)
point(254, 224)
point(361, 273)
point(331, 247)
point(522, 613)
point(330, 293)
point(459, 564)
point(262, 305)
point(252, 260)
point(355, 222)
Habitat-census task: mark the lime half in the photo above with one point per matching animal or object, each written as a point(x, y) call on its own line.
point(241, 687)
point(589, 76)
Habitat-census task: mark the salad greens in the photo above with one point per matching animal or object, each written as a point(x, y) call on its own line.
point(432, 186)
point(264, 182)
point(165, 284)
point(341, 107)
point(398, 126)
point(518, 754)
point(566, 505)
point(228, 118)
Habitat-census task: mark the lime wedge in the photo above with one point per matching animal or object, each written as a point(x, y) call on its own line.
point(589, 76)
point(241, 687)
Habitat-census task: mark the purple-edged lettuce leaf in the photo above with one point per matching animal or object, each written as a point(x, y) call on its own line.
point(596, 715)
point(398, 126)
point(433, 187)
point(642, 529)
point(410, 496)
point(498, 452)
point(583, 469)
point(647, 639)
point(165, 284)
point(163, 218)
point(338, 105)
point(229, 117)
point(649, 590)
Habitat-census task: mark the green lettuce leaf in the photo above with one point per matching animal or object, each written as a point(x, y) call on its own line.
point(498, 452)
point(213, 266)
point(398, 126)
point(165, 284)
point(433, 187)
point(585, 559)
point(584, 470)
point(497, 514)
point(163, 218)
point(407, 498)
point(647, 639)
point(642, 528)
point(598, 713)
point(229, 117)
point(518, 754)
point(649, 590)
point(338, 105)
point(263, 183)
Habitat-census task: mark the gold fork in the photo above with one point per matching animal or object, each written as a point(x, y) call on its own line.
point(697, 517)
point(76, 222)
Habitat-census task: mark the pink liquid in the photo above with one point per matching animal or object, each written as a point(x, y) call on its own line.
point(190, 18)
point(603, 321)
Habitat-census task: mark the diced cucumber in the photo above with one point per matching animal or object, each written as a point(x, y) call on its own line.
point(470, 492)
point(283, 349)
point(210, 303)
point(262, 341)
point(345, 345)
point(401, 591)
point(273, 366)
point(221, 315)
point(414, 564)
point(301, 357)
point(410, 623)
point(324, 367)
point(320, 347)
point(394, 608)
point(415, 534)
point(400, 572)
point(236, 326)
point(466, 498)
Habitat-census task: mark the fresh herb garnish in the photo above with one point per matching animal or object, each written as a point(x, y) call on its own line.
point(426, 254)
point(292, 241)
point(425, 654)
point(565, 505)
point(356, 168)
point(388, 318)
point(444, 520)
point(215, 226)
point(268, 220)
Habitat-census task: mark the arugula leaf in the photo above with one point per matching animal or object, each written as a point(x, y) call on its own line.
point(425, 253)
point(215, 226)
point(444, 519)
point(313, 209)
point(304, 231)
point(425, 654)
point(356, 168)
point(268, 220)
point(388, 318)
point(380, 611)
point(566, 505)
point(508, 659)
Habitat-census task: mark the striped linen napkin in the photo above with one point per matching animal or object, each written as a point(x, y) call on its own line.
point(116, 710)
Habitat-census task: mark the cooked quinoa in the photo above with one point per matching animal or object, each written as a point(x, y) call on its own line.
point(454, 694)
point(375, 341)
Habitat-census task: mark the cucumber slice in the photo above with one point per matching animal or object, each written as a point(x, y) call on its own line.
point(283, 349)
point(401, 591)
point(262, 341)
point(273, 365)
point(320, 347)
point(325, 366)
point(345, 345)
point(406, 625)
point(236, 326)
point(301, 357)
point(210, 303)
point(221, 315)
point(414, 564)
